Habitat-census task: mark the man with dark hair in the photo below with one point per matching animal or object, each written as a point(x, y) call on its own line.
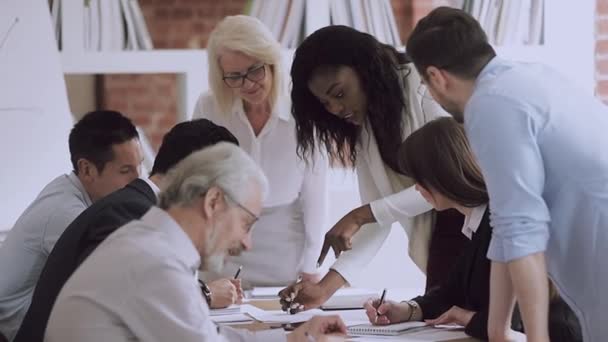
point(101, 219)
point(106, 155)
point(540, 142)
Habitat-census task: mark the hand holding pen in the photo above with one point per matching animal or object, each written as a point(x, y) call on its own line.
point(380, 303)
point(237, 284)
point(382, 312)
point(302, 295)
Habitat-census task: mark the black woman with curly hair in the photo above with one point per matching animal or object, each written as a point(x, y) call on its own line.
point(359, 99)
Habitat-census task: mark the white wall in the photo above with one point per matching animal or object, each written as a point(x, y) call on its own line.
point(33, 107)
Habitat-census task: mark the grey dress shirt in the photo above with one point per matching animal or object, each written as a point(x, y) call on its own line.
point(27, 246)
point(140, 285)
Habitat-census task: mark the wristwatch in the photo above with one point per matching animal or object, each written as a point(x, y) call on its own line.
point(414, 310)
point(206, 292)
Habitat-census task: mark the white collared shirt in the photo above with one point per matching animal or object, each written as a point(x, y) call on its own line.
point(152, 185)
point(472, 221)
point(289, 177)
point(139, 285)
point(28, 245)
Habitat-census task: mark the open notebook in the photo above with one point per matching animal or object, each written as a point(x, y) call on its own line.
point(385, 330)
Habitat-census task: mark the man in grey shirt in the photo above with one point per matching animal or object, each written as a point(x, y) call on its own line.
point(105, 155)
point(208, 205)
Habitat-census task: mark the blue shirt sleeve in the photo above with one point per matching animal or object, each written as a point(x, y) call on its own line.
point(504, 134)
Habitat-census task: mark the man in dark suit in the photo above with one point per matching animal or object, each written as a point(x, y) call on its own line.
point(102, 218)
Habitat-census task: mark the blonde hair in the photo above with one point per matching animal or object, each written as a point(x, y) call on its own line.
point(251, 37)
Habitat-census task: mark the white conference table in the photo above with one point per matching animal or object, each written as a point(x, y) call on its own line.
point(392, 294)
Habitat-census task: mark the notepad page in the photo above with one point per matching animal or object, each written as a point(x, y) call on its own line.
point(386, 330)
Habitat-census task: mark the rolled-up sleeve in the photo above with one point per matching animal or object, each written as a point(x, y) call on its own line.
point(503, 133)
point(368, 241)
point(399, 206)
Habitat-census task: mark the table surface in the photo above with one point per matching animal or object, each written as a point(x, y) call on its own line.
point(273, 304)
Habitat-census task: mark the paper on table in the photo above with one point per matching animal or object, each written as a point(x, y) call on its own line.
point(439, 334)
point(265, 292)
point(349, 298)
point(386, 330)
point(239, 317)
point(350, 317)
point(232, 309)
point(419, 335)
point(278, 316)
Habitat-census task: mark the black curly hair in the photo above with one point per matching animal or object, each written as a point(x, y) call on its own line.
point(377, 66)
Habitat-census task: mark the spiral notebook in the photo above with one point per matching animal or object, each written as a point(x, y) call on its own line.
point(385, 330)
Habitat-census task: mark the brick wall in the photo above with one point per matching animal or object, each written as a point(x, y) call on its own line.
point(150, 100)
point(601, 50)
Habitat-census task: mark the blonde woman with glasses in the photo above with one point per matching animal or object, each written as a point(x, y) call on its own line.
point(248, 97)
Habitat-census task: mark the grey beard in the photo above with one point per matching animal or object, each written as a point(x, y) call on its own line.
point(214, 263)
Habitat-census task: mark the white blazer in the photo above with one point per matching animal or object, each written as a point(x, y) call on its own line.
point(392, 202)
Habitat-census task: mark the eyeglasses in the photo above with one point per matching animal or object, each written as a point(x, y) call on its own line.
point(254, 217)
point(255, 74)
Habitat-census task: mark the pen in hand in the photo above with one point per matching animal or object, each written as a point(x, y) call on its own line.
point(380, 303)
point(236, 276)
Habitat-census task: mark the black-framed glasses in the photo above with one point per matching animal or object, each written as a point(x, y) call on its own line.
point(254, 74)
point(254, 217)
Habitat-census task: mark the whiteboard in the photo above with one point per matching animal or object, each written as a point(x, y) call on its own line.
point(35, 119)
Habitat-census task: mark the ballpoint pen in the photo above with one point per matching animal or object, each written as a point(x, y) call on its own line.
point(381, 302)
point(236, 276)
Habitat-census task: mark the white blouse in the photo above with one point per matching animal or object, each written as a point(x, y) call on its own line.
point(391, 202)
point(289, 178)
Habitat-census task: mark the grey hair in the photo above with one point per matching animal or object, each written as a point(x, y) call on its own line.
point(224, 165)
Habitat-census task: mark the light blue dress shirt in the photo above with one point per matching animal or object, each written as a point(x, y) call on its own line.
point(27, 246)
point(542, 144)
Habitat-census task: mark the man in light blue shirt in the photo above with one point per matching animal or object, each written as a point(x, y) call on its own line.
point(541, 144)
point(105, 154)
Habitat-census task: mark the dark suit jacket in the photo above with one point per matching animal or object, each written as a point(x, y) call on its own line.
point(446, 245)
point(80, 238)
point(468, 284)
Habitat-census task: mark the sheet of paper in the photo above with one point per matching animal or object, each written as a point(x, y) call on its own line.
point(278, 316)
point(231, 310)
point(265, 292)
point(419, 335)
point(438, 334)
point(234, 318)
